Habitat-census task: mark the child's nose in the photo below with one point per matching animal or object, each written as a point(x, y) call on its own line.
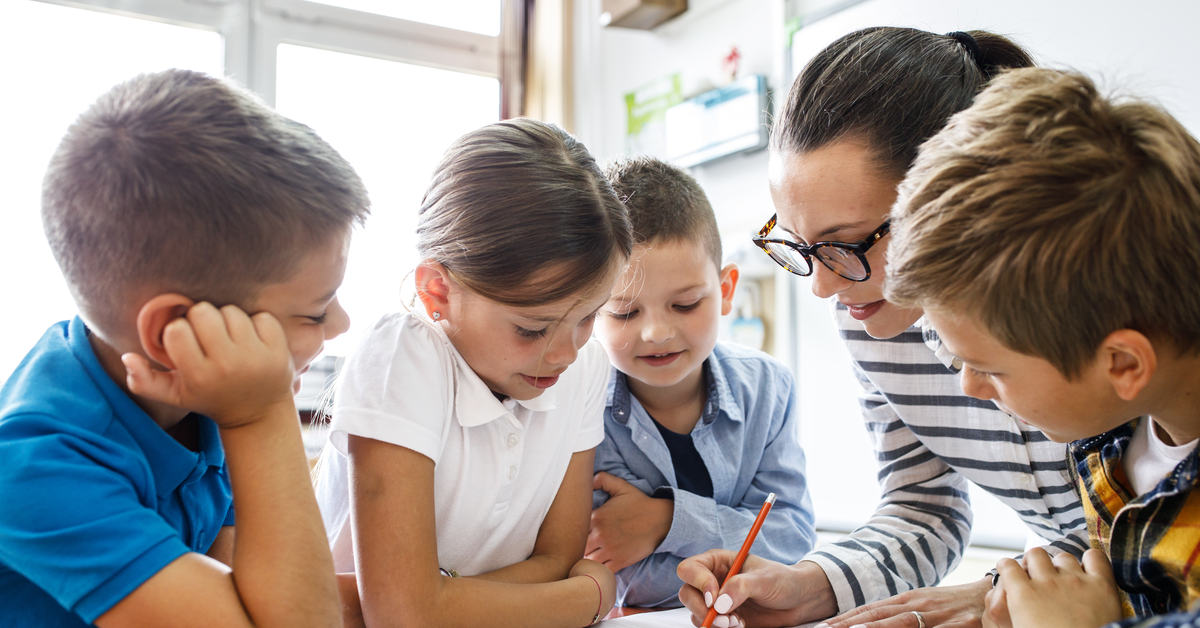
point(976, 385)
point(562, 350)
point(338, 320)
point(657, 329)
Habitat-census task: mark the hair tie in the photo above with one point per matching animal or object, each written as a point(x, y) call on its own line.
point(970, 44)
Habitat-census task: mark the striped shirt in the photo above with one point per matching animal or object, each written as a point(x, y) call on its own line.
point(1153, 539)
point(929, 440)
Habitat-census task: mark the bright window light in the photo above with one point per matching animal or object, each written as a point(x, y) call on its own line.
point(57, 60)
point(476, 16)
point(392, 121)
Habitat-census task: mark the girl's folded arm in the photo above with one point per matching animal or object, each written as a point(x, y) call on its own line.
point(395, 546)
point(564, 531)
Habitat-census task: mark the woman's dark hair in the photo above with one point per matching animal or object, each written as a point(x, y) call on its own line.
point(892, 87)
point(516, 197)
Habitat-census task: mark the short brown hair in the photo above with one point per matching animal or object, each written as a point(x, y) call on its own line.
point(181, 182)
point(665, 204)
point(1056, 216)
point(515, 197)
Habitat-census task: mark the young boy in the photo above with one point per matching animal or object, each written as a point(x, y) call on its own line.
point(128, 433)
point(1053, 238)
point(697, 433)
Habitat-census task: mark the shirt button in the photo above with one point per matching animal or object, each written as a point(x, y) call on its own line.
point(956, 364)
point(512, 473)
point(513, 440)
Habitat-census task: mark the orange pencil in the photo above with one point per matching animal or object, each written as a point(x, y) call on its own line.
point(741, 557)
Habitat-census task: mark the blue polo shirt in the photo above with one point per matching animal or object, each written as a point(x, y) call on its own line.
point(95, 498)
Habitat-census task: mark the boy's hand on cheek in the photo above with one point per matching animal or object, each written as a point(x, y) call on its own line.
point(228, 365)
point(1059, 592)
point(629, 526)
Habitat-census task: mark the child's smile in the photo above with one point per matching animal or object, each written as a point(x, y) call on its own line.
point(661, 359)
point(662, 322)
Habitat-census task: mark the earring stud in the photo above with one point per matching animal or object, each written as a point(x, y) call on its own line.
point(436, 315)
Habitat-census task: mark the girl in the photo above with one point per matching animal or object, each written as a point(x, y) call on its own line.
point(457, 479)
point(849, 131)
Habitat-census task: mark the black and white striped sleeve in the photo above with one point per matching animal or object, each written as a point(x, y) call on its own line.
point(919, 529)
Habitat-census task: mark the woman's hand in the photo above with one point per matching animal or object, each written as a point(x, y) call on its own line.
point(958, 607)
point(765, 593)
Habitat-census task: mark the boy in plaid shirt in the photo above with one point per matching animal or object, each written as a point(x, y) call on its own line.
point(1052, 236)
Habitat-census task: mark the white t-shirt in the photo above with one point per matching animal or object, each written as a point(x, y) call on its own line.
point(1148, 460)
point(498, 465)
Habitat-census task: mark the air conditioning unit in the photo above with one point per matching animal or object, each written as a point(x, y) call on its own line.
point(732, 119)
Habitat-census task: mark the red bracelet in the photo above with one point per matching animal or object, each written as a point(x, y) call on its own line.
point(597, 617)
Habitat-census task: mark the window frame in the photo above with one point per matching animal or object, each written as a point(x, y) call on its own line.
point(252, 31)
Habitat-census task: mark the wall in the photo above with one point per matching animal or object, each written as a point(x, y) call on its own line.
point(611, 62)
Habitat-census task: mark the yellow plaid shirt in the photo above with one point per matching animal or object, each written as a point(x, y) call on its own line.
point(1153, 539)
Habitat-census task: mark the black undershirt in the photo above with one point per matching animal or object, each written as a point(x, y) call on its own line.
point(690, 473)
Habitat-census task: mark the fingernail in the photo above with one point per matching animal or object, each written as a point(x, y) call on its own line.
point(734, 620)
point(708, 599)
point(723, 603)
point(721, 621)
point(821, 625)
point(858, 626)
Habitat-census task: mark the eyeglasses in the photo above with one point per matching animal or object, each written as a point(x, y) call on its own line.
point(847, 260)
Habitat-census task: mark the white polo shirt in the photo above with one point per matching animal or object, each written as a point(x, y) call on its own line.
point(498, 465)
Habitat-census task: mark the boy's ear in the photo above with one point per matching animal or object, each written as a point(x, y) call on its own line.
point(1130, 360)
point(433, 288)
point(729, 279)
point(153, 317)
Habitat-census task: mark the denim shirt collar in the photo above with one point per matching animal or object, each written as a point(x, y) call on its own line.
point(619, 397)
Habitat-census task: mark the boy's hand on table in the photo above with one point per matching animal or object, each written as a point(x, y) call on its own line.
point(228, 365)
point(763, 594)
point(629, 526)
point(1058, 592)
point(959, 606)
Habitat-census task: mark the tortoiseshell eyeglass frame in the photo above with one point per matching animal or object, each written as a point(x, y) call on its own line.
point(807, 252)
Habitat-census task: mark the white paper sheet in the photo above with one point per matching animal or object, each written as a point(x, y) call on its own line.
point(677, 618)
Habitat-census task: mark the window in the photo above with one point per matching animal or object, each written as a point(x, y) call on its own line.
point(59, 60)
point(388, 84)
point(392, 121)
point(476, 16)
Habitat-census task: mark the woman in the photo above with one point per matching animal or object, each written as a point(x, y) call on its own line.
point(850, 129)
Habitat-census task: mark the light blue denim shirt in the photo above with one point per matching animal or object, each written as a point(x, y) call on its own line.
point(747, 436)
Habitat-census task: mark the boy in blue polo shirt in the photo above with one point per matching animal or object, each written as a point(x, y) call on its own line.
point(696, 432)
point(127, 434)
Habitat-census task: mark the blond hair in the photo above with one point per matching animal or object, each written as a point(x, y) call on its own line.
point(1055, 216)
